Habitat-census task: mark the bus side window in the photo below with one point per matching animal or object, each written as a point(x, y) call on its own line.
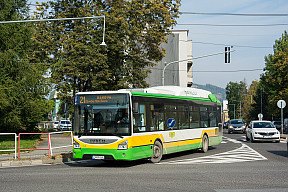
point(139, 119)
point(157, 117)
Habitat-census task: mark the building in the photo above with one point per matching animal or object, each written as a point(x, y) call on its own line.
point(178, 59)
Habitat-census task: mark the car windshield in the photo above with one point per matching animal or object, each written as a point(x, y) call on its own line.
point(263, 125)
point(65, 122)
point(237, 122)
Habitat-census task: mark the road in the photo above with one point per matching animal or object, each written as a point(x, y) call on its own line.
point(235, 165)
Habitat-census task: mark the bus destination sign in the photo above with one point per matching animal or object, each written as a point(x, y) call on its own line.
point(99, 99)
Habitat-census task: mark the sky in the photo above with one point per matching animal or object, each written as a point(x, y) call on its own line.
point(251, 43)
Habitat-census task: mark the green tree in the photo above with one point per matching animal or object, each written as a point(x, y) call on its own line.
point(250, 109)
point(22, 85)
point(234, 95)
point(133, 34)
point(274, 81)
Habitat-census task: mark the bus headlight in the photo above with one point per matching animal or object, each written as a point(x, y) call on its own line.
point(76, 145)
point(123, 145)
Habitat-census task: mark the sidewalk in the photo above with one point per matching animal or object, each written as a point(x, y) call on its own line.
point(61, 146)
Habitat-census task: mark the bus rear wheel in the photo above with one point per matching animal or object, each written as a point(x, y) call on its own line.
point(157, 152)
point(205, 144)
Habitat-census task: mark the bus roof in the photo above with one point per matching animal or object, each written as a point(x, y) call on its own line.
point(164, 90)
point(175, 91)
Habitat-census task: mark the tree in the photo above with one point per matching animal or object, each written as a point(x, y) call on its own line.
point(274, 81)
point(133, 34)
point(22, 85)
point(234, 95)
point(250, 109)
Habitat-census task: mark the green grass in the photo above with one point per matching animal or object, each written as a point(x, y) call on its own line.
point(6, 142)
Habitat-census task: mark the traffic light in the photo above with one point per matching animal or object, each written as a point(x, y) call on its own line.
point(227, 55)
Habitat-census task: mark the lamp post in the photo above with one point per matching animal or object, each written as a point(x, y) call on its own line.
point(61, 19)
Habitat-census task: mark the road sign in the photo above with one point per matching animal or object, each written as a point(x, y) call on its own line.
point(171, 123)
point(281, 104)
point(260, 116)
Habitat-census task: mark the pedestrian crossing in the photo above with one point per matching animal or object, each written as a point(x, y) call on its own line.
point(242, 154)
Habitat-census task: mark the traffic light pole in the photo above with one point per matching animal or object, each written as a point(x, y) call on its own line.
point(191, 58)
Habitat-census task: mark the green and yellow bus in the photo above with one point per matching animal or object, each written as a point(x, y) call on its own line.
point(145, 123)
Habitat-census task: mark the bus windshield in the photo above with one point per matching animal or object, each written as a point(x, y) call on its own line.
point(102, 115)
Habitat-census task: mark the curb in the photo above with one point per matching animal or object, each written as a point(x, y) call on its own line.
point(58, 159)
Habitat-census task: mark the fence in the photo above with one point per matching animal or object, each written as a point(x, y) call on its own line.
point(15, 146)
point(49, 145)
point(19, 136)
point(64, 146)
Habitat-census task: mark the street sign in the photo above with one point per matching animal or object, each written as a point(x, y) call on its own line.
point(281, 104)
point(260, 116)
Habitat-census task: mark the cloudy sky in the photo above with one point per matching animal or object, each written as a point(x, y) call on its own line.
point(251, 36)
point(252, 40)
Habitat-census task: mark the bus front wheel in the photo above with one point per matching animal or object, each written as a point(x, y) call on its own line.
point(157, 152)
point(205, 144)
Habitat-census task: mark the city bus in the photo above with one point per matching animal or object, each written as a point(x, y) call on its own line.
point(145, 123)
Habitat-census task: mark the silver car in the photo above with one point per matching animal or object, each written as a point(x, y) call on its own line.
point(262, 131)
point(236, 125)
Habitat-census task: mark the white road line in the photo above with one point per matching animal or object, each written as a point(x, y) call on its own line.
point(242, 154)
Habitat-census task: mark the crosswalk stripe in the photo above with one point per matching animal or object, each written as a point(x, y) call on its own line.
point(242, 154)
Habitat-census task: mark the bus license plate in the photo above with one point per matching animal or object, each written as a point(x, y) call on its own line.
point(97, 157)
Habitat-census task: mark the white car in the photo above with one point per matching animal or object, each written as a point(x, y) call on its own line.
point(262, 131)
point(65, 125)
point(55, 125)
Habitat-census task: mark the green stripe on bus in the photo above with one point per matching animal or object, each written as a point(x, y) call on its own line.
point(169, 96)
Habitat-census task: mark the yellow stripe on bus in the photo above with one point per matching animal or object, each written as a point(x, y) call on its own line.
point(144, 140)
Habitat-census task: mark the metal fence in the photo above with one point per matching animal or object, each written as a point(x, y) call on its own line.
point(15, 146)
point(61, 142)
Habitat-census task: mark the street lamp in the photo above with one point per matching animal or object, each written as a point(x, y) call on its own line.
point(60, 19)
point(166, 65)
point(103, 41)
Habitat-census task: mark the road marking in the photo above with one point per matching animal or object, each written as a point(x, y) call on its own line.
point(242, 154)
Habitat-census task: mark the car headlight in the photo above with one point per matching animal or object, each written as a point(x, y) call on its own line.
point(243, 127)
point(230, 126)
point(76, 145)
point(123, 145)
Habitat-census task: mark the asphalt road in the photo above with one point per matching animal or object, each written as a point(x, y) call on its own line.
point(235, 165)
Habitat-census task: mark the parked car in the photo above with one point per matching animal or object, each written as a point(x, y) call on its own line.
point(65, 125)
point(262, 131)
point(277, 124)
point(236, 125)
point(55, 125)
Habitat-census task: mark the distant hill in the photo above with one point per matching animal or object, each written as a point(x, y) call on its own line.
point(219, 92)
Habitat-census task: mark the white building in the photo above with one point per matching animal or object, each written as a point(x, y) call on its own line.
point(178, 48)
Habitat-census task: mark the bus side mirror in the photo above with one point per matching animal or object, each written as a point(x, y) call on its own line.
point(135, 107)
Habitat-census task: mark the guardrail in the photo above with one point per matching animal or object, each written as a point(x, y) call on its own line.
point(15, 146)
point(33, 149)
point(52, 133)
